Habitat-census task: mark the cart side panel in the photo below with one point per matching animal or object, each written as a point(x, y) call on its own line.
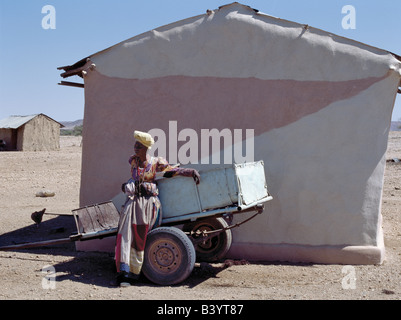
point(239, 185)
point(251, 182)
point(178, 196)
point(98, 217)
point(218, 188)
point(181, 196)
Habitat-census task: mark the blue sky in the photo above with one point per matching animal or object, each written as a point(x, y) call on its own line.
point(30, 54)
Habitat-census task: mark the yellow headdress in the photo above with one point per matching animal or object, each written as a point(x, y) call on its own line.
point(144, 138)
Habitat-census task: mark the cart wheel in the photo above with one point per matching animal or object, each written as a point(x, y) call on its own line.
point(214, 248)
point(169, 256)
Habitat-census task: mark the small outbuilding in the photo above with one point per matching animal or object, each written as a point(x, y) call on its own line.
point(36, 132)
point(314, 106)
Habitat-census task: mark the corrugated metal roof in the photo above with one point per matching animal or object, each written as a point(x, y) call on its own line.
point(14, 122)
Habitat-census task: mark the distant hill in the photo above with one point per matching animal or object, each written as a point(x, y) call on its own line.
point(71, 128)
point(69, 125)
point(395, 126)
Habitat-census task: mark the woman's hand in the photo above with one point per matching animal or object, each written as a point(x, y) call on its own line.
point(196, 176)
point(186, 172)
point(168, 174)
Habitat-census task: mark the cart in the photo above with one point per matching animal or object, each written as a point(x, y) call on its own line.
point(196, 219)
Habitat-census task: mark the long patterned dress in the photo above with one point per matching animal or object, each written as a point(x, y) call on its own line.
point(142, 212)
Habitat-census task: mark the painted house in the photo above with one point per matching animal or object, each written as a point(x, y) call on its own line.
point(36, 132)
point(314, 106)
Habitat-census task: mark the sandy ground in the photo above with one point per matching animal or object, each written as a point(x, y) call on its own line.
point(83, 275)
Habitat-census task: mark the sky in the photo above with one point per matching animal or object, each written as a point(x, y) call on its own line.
point(32, 48)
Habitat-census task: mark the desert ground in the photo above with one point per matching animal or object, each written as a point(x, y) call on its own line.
point(90, 275)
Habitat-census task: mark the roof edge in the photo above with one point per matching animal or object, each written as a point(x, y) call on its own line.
point(28, 118)
point(80, 66)
point(235, 3)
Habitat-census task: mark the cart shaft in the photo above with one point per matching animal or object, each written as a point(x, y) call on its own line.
point(36, 244)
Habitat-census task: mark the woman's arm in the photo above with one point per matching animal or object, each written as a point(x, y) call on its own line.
point(169, 171)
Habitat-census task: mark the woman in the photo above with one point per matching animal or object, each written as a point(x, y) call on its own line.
point(142, 210)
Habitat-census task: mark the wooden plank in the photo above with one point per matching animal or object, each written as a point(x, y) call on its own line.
point(110, 215)
point(84, 220)
point(89, 218)
point(71, 84)
point(96, 218)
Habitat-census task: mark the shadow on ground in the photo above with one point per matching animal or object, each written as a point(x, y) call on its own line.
point(96, 268)
point(60, 227)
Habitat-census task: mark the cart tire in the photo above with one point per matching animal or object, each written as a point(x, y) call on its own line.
point(169, 256)
point(215, 248)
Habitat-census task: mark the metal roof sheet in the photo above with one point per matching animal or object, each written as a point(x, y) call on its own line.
point(14, 122)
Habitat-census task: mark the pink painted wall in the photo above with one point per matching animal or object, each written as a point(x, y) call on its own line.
point(115, 107)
